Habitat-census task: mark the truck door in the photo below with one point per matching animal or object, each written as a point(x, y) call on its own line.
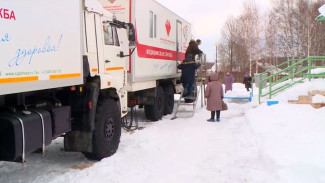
point(114, 66)
point(179, 41)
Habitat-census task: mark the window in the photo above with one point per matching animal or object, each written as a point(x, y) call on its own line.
point(153, 25)
point(116, 40)
point(110, 35)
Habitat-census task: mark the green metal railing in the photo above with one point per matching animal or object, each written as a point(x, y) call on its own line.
point(294, 71)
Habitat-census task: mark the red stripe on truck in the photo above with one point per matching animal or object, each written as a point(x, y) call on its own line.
point(146, 51)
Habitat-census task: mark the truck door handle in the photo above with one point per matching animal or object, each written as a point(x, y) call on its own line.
point(107, 61)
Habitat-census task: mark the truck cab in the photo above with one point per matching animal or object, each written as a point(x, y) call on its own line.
point(106, 48)
point(64, 76)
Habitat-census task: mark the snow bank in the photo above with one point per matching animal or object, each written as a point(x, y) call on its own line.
point(238, 90)
point(281, 143)
point(322, 10)
point(291, 140)
point(318, 99)
point(295, 91)
point(318, 71)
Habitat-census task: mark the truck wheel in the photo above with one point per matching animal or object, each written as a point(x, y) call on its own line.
point(169, 99)
point(156, 111)
point(106, 136)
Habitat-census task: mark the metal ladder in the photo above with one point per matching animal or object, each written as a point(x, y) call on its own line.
point(199, 90)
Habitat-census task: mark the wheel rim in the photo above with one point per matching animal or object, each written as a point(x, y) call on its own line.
point(109, 129)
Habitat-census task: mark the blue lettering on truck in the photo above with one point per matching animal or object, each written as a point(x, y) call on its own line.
point(23, 53)
point(4, 38)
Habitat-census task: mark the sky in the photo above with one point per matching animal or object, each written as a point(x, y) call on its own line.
point(282, 143)
point(207, 18)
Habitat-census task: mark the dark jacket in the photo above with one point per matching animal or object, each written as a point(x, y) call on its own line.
point(192, 49)
point(247, 81)
point(188, 70)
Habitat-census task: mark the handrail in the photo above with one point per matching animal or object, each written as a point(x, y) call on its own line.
point(296, 72)
point(202, 76)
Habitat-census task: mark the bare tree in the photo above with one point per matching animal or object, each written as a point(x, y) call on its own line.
point(298, 30)
point(270, 39)
point(288, 31)
point(227, 46)
point(250, 25)
point(317, 29)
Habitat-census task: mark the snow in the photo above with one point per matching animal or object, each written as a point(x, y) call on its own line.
point(290, 137)
point(322, 10)
point(282, 143)
point(318, 99)
point(318, 70)
point(295, 91)
point(238, 90)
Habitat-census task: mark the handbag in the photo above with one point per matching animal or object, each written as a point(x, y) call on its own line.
point(224, 106)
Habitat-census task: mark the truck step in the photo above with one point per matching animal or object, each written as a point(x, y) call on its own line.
point(183, 103)
point(200, 79)
point(185, 111)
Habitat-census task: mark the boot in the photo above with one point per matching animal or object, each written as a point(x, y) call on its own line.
point(185, 92)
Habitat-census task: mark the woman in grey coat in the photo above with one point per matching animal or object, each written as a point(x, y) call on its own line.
point(214, 95)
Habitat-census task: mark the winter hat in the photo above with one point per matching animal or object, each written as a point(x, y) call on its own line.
point(213, 77)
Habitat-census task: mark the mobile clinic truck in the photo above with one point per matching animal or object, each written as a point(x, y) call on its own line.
point(68, 68)
point(162, 38)
point(61, 72)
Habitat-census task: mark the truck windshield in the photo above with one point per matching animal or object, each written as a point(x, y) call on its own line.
point(110, 34)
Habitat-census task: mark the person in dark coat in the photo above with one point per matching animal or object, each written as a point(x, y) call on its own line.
point(229, 80)
point(193, 49)
point(214, 95)
point(188, 67)
point(247, 81)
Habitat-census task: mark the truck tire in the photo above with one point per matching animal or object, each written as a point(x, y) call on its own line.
point(169, 99)
point(107, 133)
point(156, 111)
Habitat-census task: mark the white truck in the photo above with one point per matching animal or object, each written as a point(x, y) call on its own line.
point(71, 68)
point(162, 38)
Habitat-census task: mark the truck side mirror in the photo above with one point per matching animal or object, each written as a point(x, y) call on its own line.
point(131, 32)
point(131, 36)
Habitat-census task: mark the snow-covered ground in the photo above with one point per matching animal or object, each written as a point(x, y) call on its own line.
point(253, 143)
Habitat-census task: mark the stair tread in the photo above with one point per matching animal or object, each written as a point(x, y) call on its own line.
point(185, 111)
point(200, 79)
point(186, 103)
